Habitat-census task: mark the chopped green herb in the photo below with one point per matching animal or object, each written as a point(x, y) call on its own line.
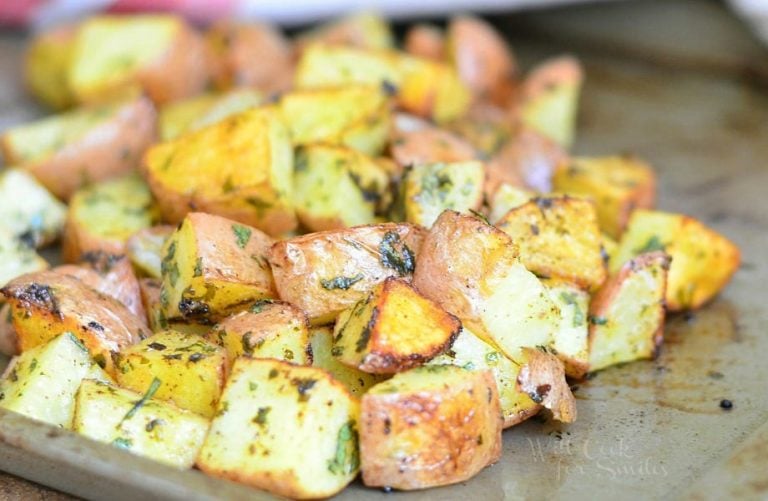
point(346, 460)
point(303, 385)
point(340, 282)
point(153, 387)
point(403, 261)
point(242, 235)
point(480, 216)
point(569, 298)
point(122, 443)
point(597, 320)
point(261, 416)
point(259, 305)
point(492, 357)
point(654, 243)
point(198, 267)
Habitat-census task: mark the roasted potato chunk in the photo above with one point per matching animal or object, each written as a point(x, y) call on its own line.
point(550, 98)
point(214, 266)
point(270, 410)
point(337, 187)
point(17, 258)
point(425, 144)
point(240, 168)
point(356, 381)
point(269, 329)
point(117, 56)
point(255, 55)
point(46, 304)
point(703, 261)
point(111, 275)
point(486, 127)
point(426, 41)
point(472, 353)
point(626, 316)
point(570, 340)
point(189, 115)
point(70, 150)
point(138, 423)
point(325, 273)
point(431, 89)
point(429, 189)
point(37, 221)
point(481, 56)
point(429, 426)
point(558, 237)
point(542, 377)
point(471, 269)
point(393, 329)
point(101, 217)
point(9, 341)
point(42, 382)
point(190, 370)
point(366, 30)
point(46, 65)
point(356, 116)
point(618, 185)
point(145, 249)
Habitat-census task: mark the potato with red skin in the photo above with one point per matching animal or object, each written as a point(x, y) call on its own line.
point(255, 55)
point(426, 41)
point(482, 58)
point(65, 152)
point(429, 144)
point(326, 272)
point(46, 304)
point(430, 426)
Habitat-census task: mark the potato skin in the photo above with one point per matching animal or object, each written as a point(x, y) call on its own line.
point(301, 265)
point(542, 377)
point(429, 144)
point(45, 304)
point(436, 436)
point(426, 41)
point(107, 150)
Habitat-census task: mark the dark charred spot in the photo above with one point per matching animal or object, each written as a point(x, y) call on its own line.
point(99, 261)
point(535, 229)
point(193, 308)
point(157, 346)
point(196, 357)
point(38, 295)
point(365, 336)
point(94, 325)
point(387, 426)
point(303, 385)
point(541, 392)
point(389, 88)
point(543, 203)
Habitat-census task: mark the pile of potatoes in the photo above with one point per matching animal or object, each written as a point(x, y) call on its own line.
point(290, 261)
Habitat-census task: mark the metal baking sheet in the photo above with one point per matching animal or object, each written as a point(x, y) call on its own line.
point(646, 430)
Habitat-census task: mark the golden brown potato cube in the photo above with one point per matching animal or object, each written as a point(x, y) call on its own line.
point(190, 370)
point(240, 168)
point(426, 41)
point(429, 189)
point(393, 329)
point(82, 146)
point(327, 272)
point(429, 426)
point(212, 267)
point(117, 56)
point(487, 127)
point(287, 429)
point(138, 423)
point(46, 304)
point(366, 30)
point(703, 260)
point(481, 56)
point(471, 269)
point(356, 381)
point(472, 353)
point(9, 341)
point(542, 377)
point(618, 185)
point(255, 55)
point(626, 316)
point(111, 275)
point(46, 65)
point(558, 237)
point(550, 98)
point(356, 116)
point(36, 222)
point(101, 217)
point(433, 89)
point(42, 382)
point(569, 342)
point(189, 115)
point(145, 249)
point(336, 187)
point(268, 329)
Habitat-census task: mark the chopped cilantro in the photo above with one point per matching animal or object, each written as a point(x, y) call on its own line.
point(340, 282)
point(242, 235)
